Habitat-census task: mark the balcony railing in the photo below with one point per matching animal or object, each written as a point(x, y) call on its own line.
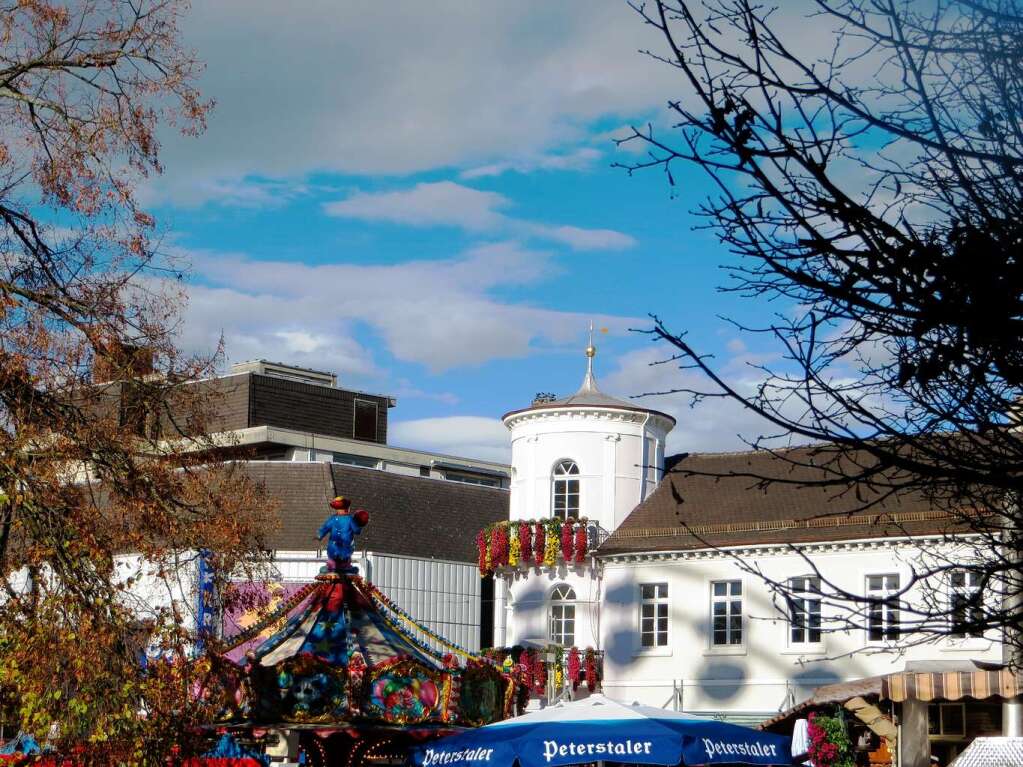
point(553, 672)
point(522, 544)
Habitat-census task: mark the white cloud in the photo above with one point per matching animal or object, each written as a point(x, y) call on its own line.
point(485, 438)
point(709, 426)
point(384, 88)
point(438, 313)
point(588, 239)
point(577, 160)
point(445, 203)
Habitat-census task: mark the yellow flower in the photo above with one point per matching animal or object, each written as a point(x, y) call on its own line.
point(514, 548)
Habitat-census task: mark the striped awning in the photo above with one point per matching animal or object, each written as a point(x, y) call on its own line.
point(951, 685)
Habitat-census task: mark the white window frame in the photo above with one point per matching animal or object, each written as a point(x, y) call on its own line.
point(728, 599)
point(968, 588)
point(564, 473)
point(659, 603)
point(882, 599)
point(810, 589)
point(560, 610)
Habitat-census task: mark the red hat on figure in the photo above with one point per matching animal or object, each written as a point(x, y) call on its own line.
point(340, 503)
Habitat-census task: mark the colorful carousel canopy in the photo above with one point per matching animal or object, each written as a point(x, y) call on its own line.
point(345, 655)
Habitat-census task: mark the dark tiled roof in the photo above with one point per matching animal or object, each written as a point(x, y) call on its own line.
point(717, 500)
point(410, 516)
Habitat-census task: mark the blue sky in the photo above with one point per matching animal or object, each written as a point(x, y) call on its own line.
point(419, 197)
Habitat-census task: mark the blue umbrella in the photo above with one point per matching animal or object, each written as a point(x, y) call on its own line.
point(600, 729)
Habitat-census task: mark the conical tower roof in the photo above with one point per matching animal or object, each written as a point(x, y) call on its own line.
point(589, 395)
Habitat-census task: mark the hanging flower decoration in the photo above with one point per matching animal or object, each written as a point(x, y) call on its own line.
point(526, 667)
point(573, 667)
point(525, 535)
point(539, 673)
point(514, 549)
point(498, 546)
point(559, 667)
point(567, 540)
point(552, 542)
point(581, 543)
point(538, 543)
point(592, 680)
point(829, 741)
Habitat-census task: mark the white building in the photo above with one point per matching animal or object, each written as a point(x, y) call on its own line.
point(668, 595)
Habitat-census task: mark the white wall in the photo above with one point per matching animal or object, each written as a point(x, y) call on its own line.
point(754, 677)
point(529, 605)
point(610, 447)
point(444, 596)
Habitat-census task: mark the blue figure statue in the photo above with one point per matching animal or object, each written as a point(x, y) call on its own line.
point(342, 528)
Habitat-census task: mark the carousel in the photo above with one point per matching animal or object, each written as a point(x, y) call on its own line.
point(336, 675)
point(347, 677)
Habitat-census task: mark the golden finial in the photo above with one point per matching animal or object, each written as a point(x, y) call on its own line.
point(591, 350)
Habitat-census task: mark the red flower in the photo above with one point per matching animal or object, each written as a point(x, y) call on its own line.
point(539, 538)
point(592, 680)
point(499, 546)
point(566, 541)
point(581, 543)
point(526, 665)
point(539, 674)
point(573, 667)
point(525, 542)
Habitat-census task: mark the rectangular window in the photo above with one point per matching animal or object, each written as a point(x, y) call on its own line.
point(650, 458)
point(726, 613)
point(562, 624)
point(365, 420)
point(946, 719)
point(355, 460)
point(965, 603)
point(805, 606)
point(882, 607)
point(472, 479)
point(653, 615)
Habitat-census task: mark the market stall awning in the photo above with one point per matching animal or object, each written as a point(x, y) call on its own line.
point(951, 685)
point(598, 728)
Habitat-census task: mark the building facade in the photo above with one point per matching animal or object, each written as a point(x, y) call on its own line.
point(305, 439)
point(675, 589)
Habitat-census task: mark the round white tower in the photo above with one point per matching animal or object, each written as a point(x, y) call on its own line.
point(587, 456)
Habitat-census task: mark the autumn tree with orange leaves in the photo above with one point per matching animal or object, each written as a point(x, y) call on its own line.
point(102, 453)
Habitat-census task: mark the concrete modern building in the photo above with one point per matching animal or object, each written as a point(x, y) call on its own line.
point(305, 439)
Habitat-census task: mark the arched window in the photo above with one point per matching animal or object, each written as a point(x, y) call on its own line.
point(565, 490)
point(562, 615)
